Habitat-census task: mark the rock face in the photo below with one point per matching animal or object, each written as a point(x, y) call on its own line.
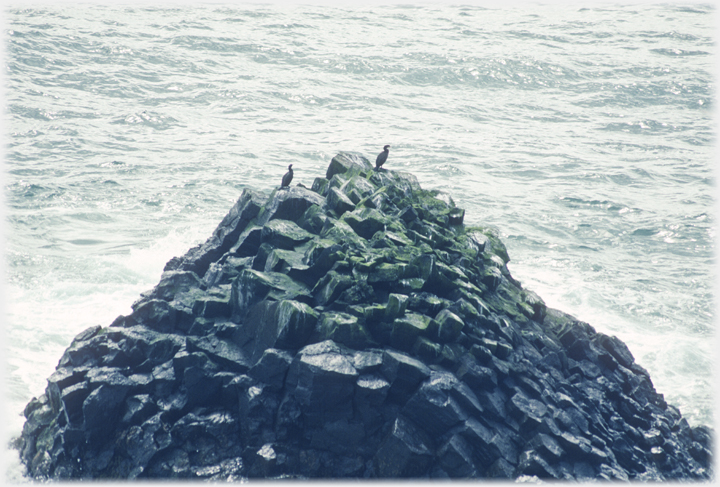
point(357, 329)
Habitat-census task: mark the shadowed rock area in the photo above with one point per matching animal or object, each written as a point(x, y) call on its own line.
point(357, 329)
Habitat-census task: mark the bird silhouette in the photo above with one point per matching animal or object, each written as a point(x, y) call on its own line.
point(382, 157)
point(287, 177)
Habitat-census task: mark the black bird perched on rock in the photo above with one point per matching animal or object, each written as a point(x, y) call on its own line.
point(382, 157)
point(287, 177)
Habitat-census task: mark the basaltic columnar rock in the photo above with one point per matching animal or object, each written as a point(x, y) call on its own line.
point(357, 329)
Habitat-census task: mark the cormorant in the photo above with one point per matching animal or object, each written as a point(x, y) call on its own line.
point(287, 177)
point(382, 157)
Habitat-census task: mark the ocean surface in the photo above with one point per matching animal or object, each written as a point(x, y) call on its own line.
point(586, 136)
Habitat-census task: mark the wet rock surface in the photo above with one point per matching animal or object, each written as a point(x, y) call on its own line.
point(355, 330)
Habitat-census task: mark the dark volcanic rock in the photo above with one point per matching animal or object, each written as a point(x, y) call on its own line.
point(355, 330)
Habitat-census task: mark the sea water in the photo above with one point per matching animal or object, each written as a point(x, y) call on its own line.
point(585, 136)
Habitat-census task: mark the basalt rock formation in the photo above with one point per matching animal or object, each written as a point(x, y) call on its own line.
point(357, 329)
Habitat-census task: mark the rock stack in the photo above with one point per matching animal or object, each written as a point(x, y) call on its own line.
point(357, 329)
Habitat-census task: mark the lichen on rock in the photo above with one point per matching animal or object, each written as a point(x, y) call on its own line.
point(358, 329)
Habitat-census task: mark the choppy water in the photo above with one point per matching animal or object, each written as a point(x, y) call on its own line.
point(585, 135)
